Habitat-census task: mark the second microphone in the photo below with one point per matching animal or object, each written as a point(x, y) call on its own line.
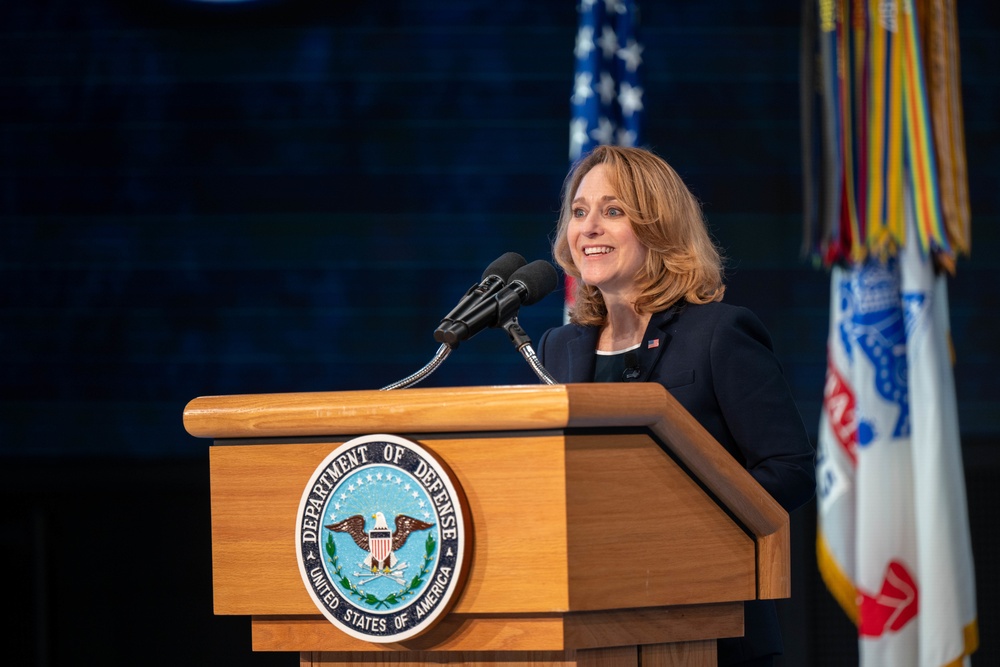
point(527, 285)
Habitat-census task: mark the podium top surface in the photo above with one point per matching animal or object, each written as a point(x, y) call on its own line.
point(506, 408)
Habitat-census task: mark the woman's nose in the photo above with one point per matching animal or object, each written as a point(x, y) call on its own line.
point(591, 224)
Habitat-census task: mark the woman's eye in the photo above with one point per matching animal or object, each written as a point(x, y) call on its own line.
point(614, 212)
point(579, 213)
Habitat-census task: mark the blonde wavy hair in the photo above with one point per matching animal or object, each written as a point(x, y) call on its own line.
point(682, 261)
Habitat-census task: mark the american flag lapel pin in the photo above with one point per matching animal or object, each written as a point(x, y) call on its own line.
point(655, 342)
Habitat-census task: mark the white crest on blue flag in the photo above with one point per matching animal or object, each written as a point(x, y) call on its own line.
point(894, 545)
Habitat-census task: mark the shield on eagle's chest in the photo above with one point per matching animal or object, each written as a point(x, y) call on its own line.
point(380, 544)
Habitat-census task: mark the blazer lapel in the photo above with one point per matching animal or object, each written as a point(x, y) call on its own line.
point(655, 341)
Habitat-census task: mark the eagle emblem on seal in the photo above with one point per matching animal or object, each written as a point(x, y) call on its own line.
point(380, 543)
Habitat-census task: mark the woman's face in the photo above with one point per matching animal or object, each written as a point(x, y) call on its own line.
point(601, 240)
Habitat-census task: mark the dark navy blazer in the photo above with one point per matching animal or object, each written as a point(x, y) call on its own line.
point(717, 361)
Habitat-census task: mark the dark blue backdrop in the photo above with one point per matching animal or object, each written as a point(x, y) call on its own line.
point(287, 196)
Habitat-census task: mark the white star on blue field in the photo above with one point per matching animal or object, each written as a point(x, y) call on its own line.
point(379, 488)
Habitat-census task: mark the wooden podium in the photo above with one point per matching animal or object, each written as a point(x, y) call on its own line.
point(608, 526)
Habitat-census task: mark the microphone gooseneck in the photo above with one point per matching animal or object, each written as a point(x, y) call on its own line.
point(522, 343)
point(507, 284)
point(431, 366)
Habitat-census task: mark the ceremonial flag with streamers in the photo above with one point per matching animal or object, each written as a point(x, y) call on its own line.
point(893, 543)
point(607, 98)
point(888, 217)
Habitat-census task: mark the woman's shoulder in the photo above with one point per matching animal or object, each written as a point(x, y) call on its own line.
point(719, 314)
point(566, 332)
point(556, 345)
point(714, 310)
point(721, 310)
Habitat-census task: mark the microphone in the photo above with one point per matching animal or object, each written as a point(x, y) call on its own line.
point(494, 278)
point(631, 372)
point(527, 285)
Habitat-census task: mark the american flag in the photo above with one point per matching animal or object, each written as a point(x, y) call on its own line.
point(607, 98)
point(607, 106)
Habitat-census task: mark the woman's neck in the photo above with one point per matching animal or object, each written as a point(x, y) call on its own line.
point(624, 328)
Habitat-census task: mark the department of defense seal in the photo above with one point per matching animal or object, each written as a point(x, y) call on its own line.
point(382, 538)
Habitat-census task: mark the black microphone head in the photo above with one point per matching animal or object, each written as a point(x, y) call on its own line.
point(539, 279)
point(504, 265)
point(631, 372)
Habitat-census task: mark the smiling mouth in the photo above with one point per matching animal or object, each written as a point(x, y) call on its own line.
point(603, 250)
